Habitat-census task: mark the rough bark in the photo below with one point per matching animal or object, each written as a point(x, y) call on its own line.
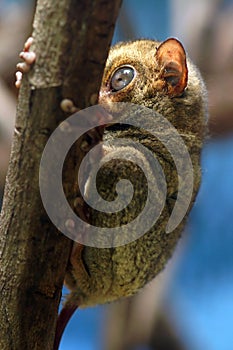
point(33, 253)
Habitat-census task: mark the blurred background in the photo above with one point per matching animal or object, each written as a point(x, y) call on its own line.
point(190, 304)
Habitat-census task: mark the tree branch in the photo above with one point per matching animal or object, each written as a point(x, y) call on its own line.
point(33, 253)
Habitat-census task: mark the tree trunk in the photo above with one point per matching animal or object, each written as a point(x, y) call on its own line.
point(33, 253)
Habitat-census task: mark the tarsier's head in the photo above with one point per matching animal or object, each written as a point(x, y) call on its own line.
point(160, 77)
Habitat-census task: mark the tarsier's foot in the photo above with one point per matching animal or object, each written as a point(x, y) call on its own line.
point(28, 58)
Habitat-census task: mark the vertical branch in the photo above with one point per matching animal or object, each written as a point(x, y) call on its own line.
point(33, 253)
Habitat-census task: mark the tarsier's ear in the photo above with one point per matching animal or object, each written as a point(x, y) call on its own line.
point(171, 58)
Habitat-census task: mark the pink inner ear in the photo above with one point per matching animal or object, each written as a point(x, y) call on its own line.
point(171, 58)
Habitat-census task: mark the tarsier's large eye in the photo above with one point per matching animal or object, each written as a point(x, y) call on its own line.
point(121, 78)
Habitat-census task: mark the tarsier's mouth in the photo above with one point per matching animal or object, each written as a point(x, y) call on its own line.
point(118, 127)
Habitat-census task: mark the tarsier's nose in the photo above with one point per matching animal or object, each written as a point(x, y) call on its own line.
point(103, 95)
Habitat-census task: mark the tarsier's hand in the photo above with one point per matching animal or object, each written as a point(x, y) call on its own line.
point(28, 58)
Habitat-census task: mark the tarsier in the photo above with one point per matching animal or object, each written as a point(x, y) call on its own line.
point(161, 77)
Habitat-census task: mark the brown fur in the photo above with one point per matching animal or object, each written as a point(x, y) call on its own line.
point(171, 85)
